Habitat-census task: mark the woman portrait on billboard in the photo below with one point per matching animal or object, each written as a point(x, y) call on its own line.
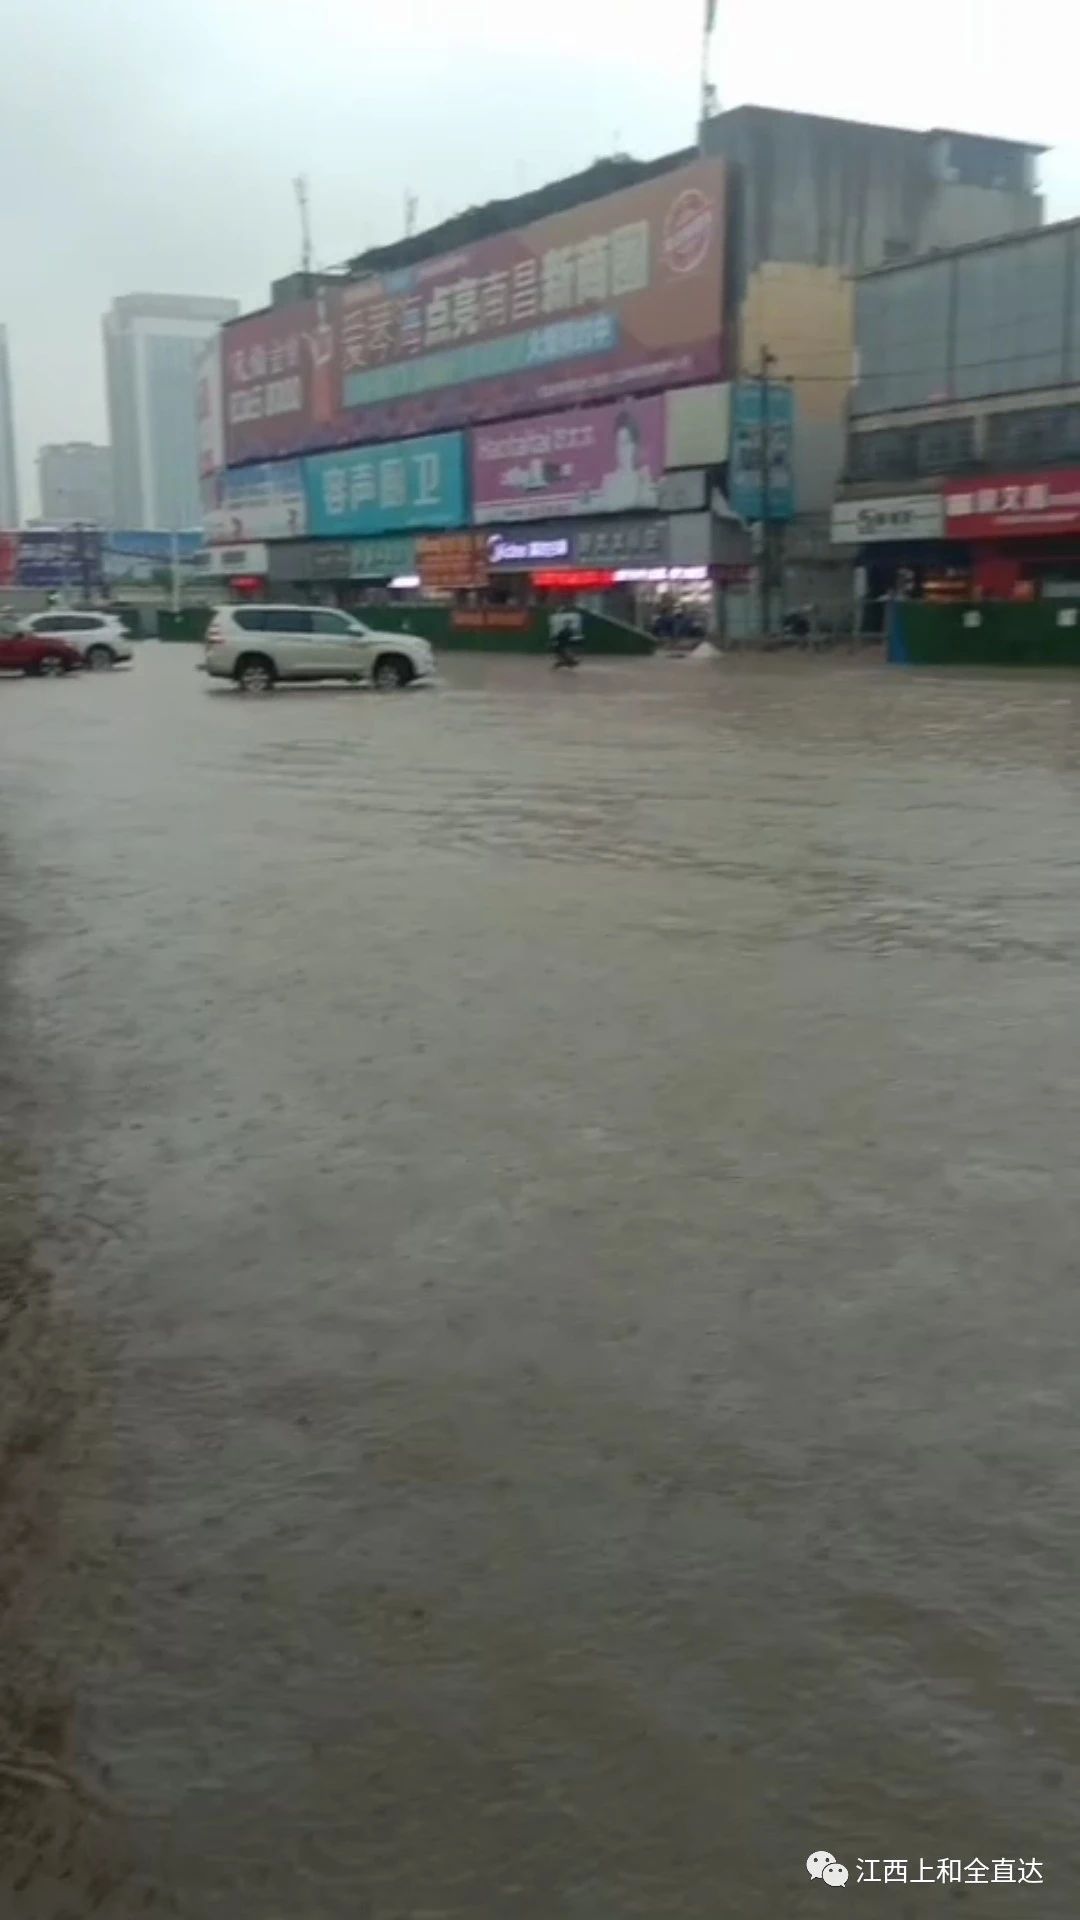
point(630, 482)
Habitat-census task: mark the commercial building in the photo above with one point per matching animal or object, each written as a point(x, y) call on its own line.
point(9, 485)
point(552, 372)
point(153, 344)
point(815, 201)
point(75, 484)
point(963, 461)
point(669, 341)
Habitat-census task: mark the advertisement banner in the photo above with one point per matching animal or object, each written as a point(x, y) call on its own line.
point(278, 374)
point(1015, 505)
point(138, 557)
point(250, 560)
point(596, 460)
point(210, 419)
point(453, 560)
point(68, 558)
point(411, 483)
point(261, 502)
point(617, 296)
point(749, 498)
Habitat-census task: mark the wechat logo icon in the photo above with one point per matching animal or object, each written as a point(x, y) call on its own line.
point(825, 1866)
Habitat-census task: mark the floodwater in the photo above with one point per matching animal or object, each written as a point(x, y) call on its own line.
point(561, 1193)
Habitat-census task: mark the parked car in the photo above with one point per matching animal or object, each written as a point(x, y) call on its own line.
point(101, 638)
point(256, 646)
point(34, 653)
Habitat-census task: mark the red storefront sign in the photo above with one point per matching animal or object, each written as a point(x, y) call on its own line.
point(496, 619)
point(1014, 505)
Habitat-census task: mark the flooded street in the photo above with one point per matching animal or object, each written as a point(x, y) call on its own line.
point(566, 1191)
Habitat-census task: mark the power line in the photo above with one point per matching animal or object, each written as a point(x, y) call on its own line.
point(865, 378)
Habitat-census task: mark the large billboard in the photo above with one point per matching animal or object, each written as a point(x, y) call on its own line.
point(52, 557)
point(384, 489)
point(606, 459)
point(618, 296)
point(265, 501)
point(139, 557)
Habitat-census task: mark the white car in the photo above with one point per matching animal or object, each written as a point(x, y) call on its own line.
point(255, 646)
point(101, 638)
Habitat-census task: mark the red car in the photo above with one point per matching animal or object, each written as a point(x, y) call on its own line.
point(32, 653)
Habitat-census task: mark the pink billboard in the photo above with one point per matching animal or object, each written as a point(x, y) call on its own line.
point(595, 460)
point(618, 296)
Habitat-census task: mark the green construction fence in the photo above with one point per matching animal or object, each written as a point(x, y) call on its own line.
point(456, 629)
point(1035, 633)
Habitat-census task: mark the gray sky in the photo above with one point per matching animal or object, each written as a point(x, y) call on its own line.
point(150, 144)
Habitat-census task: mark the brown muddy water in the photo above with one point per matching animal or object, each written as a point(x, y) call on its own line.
point(554, 1205)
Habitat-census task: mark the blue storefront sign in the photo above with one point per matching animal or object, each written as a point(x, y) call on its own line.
point(401, 484)
point(748, 497)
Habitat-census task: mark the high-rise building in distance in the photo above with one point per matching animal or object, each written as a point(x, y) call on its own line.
point(9, 485)
point(75, 483)
point(152, 347)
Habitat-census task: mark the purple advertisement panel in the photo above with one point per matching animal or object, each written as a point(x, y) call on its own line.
point(596, 460)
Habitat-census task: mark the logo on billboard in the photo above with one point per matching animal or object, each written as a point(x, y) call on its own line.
point(504, 553)
point(688, 230)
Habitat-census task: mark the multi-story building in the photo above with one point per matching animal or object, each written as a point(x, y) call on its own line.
point(75, 484)
point(814, 202)
point(963, 456)
point(550, 371)
point(562, 368)
point(9, 486)
point(153, 344)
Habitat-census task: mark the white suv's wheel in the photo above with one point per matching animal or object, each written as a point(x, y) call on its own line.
point(99, 657)
point(255, 673)
point(391, 670)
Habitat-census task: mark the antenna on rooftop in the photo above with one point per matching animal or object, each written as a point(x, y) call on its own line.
point(300, 188)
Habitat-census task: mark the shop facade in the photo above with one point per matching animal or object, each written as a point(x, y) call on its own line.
point(1021, 530)
point(999, 537)
point(968, 393)
point(628, 568)
point(898, 550)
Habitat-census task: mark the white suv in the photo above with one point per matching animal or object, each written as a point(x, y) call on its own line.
point(258, 645)
point(101, 638)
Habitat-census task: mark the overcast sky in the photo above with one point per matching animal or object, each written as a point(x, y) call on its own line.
point(149, 145)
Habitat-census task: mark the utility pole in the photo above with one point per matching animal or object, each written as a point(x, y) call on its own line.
point(300, 188)
point(767, 360)
point(411, 204)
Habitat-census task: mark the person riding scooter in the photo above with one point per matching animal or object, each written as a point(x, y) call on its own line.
point(565, 632)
